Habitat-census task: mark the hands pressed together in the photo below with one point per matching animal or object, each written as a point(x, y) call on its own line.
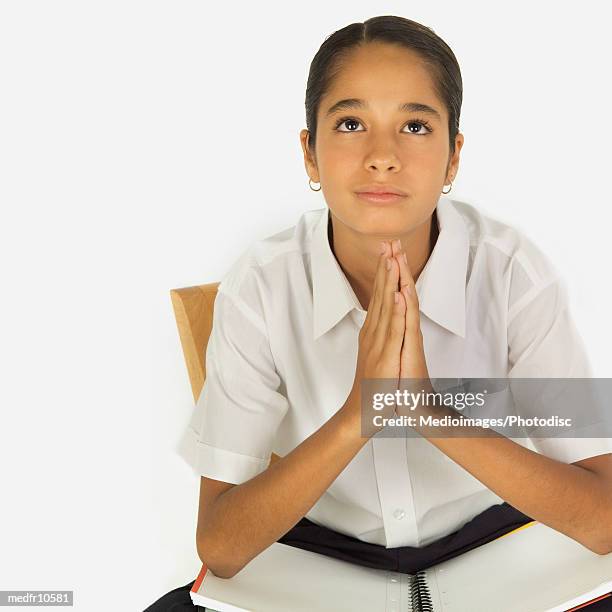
point(390, 340)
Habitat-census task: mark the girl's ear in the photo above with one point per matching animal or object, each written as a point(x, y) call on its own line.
point(453, 162)
point(310, 162)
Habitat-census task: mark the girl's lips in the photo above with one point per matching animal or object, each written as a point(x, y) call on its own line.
point(380, 197)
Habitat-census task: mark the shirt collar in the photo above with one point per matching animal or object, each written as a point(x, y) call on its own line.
point(440, 286)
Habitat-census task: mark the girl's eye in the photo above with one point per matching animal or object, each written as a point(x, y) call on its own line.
point(417, 122)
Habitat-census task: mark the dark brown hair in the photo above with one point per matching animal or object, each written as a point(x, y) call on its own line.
point(434, 52)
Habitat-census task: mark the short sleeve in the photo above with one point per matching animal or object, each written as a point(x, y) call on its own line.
point(543, 342)
point(232, 429)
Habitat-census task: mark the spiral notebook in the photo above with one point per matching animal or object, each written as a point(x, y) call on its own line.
point(532, 569)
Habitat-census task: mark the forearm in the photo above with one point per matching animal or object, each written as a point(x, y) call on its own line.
point(249, 517)
point(568, 498)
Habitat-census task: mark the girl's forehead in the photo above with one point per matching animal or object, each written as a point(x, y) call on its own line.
point(366, 91)
point(388, 73)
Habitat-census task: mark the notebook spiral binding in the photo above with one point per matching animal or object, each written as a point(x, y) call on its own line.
point(419, 593)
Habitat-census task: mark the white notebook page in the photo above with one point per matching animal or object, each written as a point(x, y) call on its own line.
point(283, 578)
point(535, 569)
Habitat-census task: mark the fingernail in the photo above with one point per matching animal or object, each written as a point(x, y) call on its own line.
point(383, 248)
point(406, 258)
point(397, 244)
point(388, 264)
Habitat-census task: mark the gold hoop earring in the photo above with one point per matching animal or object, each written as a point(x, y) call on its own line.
point(445, 192)
point(310, 185)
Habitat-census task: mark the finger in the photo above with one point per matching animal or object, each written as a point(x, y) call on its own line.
point(393, 345)
point(412, 305)
point(407, 288)
point(406, 279)
point(375, 299)
point(405, 272)
point(412, 356)
point(388, 288)
point(396, 246)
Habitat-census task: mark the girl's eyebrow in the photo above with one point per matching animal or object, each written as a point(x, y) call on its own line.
point(408, 107)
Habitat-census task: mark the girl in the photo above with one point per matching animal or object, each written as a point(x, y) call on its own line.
point(392, 281)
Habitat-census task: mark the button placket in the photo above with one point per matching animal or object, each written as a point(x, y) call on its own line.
point(395, 490)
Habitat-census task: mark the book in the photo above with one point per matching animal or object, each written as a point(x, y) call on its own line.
point(532, 569)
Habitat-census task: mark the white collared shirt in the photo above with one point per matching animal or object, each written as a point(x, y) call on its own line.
point(283, 350)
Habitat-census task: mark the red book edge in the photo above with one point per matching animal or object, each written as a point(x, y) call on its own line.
point(198, 580)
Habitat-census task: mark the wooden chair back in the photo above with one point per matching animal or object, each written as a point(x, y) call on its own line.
point(193, 311)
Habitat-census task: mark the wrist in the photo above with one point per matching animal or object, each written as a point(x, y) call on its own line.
point(350, 419)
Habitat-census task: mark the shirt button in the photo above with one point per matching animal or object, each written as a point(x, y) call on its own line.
point(399, 514)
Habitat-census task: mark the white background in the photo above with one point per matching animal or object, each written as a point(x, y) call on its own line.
point(143, 147)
